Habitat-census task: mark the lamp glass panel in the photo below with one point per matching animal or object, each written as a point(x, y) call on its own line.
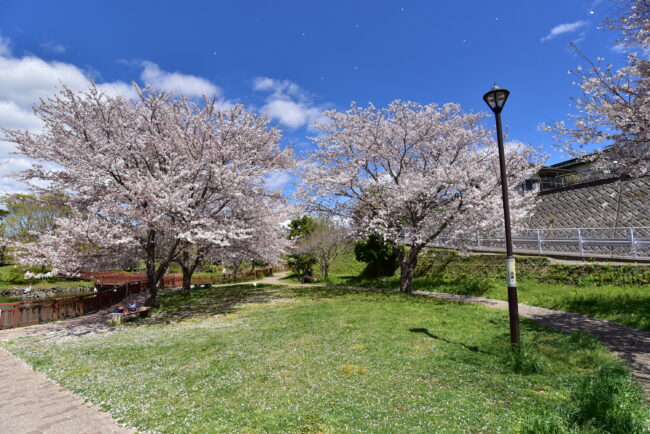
point(500, 98)
point(491, 100)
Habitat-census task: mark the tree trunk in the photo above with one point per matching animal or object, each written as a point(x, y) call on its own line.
point(152, 282)
point(407, 269)
point(187, 280)
point(235, 268)
point(325, 268)
point(154, 274)
point(188, 268)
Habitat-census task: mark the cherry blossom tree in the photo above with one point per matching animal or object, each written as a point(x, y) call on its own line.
point(410, 173)
point(152, 174)
point(614, 108)
point(256, 234)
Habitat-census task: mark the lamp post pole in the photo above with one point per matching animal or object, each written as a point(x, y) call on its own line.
point(496, 99)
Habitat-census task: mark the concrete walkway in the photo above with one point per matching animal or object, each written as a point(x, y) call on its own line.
point(31, 403)
point(627, 343)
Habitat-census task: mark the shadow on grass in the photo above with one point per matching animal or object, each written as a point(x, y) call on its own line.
point(633, 310)
point(205, 302)
point(457, 285)
point(426, 332)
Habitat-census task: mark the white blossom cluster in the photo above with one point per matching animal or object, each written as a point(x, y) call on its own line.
point(158, 177)
point(614, 109)
point(412, 172)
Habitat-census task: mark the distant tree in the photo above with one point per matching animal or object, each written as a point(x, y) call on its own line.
point(411, 173)
point(301, 262)
point(26, 215)
point(381, 258)
point(301, 227)
point(326, 242)
point(614, 108)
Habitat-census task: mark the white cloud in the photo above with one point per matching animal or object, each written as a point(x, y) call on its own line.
point(563, 28)
point(263, 83)
point(290, 113)
point(288, 103)
point(277, 180)
point(24, 80)
point(5, 46)
point(619, 48)
point(185, 84)
point(53, 47)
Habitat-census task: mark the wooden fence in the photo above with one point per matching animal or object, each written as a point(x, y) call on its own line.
point(117, 287)
point(111, 279)
point(38, 311)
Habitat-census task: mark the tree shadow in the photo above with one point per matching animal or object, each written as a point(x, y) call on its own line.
point(634, 310)
point(472, 348)
point(206, 302)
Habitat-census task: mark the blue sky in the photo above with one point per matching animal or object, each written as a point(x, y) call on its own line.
point(292, 59)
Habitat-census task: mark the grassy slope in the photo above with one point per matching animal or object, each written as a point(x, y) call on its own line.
point(628, 305)
point(316, 360)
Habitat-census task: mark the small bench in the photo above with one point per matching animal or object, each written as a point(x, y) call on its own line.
point(142, 312)
point(116, 317)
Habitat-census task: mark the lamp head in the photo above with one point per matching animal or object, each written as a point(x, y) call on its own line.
point(496, 98)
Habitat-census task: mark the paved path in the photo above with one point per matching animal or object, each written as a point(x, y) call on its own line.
point(629, 344)
point(31, 403)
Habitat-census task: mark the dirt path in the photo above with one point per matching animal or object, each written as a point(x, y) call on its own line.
point(630, 345)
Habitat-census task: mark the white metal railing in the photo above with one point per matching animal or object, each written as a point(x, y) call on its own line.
point(628, 243)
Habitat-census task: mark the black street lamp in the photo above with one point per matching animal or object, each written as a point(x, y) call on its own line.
point(496, 99)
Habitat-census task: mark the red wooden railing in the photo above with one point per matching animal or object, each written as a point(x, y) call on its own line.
point(38, 311)
point(120, 286)
point(108, 279)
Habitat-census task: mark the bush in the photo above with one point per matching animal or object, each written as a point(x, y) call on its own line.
point(476, 287)
point(608, 400)
point(547, 423)
point(523, 359)
point(16, 274)
point(382, 258)
point(212, 268)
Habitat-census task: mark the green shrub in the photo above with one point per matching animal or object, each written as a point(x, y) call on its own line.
point(608, 400)
point(381, 257)
point(546, 423)
point(475, 287)
point(15, 274)
point(212, 268)
point(525, 360)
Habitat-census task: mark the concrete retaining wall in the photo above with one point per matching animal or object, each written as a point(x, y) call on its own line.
point(600, 204)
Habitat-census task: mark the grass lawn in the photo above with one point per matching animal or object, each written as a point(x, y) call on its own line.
point(625, 304)
point(277, 359)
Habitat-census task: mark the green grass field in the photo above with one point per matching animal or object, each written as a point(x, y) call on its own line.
point(277, 359)
point(625, 304)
